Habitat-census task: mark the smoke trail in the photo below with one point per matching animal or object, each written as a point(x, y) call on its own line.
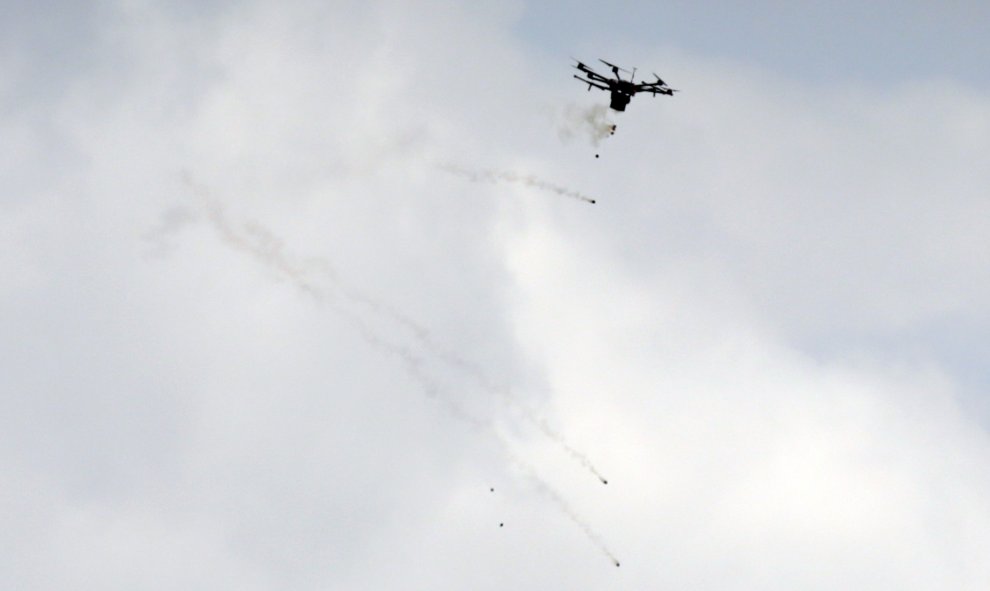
point(565, 508)
point(255, 241)
point(592, 122)
point(260, 243)
point(413, 365)
point(562, 504)
point(506, 176)
point(482, 380)
point(475, 373)
point(539, 422)
point(577, 455)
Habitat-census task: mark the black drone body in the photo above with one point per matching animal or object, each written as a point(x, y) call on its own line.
point(621, 90)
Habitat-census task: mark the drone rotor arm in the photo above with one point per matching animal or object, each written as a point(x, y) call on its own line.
point(591, 83)
point(592, 74)
point(655, 90)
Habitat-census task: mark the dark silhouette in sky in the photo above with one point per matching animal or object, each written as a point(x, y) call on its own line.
point(622, 90)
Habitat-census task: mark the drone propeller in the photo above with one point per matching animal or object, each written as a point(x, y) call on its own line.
point(613, 66)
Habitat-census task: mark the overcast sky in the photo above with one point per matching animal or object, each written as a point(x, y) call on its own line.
point(288, 288)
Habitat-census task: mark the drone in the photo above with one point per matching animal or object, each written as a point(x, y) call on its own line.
point(622, 90)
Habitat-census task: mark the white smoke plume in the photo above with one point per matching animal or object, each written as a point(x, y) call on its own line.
point(591, 122)
point(507, 176)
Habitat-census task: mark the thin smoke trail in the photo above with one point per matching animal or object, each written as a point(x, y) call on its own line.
point(422, 335)
point(551, 493)
point(540, 423)
point(414, 367)
point(263, 245)
point(569, 511)
point(507, 176)
point(479, 377)
point(267, 249)
point(574, 453)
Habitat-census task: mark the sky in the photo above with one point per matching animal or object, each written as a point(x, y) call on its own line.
point(311, 295)
point(838, 42)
